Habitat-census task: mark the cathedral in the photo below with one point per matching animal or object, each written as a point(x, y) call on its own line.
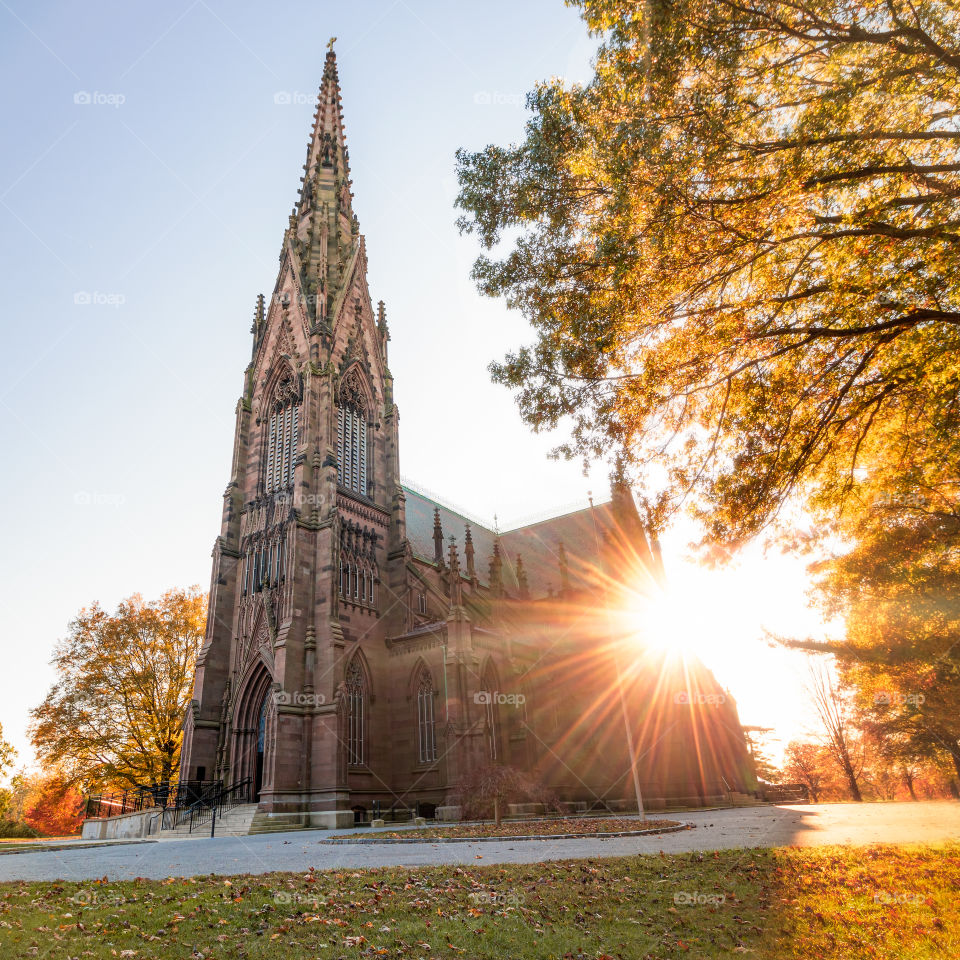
point(368, 646)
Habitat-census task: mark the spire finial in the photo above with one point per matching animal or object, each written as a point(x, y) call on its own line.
point(330, 44)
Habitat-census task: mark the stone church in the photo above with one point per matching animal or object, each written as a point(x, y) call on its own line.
point(368, 646)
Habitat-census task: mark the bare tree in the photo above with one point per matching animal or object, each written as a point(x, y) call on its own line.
point(834, 715)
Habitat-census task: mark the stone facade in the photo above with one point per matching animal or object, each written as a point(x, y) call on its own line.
point(368, 643)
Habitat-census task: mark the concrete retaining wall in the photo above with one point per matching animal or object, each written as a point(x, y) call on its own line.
point(127, 826)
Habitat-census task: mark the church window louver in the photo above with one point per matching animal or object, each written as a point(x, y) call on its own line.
point(352, 437)
point(264, 565)
point(283, 429)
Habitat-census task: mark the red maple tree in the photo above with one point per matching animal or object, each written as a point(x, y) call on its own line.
point(56, 809)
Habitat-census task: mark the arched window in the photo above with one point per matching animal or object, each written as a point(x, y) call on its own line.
point(352, 437)
point(359, 573)
point(425, 723)
point(356, 715)
point(282, 436)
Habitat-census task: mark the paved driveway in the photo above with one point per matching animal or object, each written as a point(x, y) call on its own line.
point(808, 825)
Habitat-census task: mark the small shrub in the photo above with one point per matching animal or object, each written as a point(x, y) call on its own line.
point(486, 790)
point(14, 829)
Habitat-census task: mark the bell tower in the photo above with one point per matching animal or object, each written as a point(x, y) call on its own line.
point(312, 546)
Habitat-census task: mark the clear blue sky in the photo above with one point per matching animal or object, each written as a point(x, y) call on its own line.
point(151, 156)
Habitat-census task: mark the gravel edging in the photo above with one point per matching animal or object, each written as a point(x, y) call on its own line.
point(555, 836)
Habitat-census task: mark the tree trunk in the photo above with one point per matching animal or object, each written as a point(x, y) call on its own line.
point(496, 812)
point(955, 754)
point(908, 782)
point(851, 779)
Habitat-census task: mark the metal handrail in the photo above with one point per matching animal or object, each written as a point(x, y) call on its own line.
point(168, 795)
point(209, 808)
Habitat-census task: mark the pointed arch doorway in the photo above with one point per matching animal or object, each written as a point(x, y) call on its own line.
point(255, 723)
point(261, 745)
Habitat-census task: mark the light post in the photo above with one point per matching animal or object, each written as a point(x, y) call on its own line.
point(616, 662)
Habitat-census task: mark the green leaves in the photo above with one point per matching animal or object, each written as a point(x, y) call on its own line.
point(737, 245)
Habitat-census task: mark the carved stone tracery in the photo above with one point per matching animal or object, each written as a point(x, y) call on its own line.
point(352, 392)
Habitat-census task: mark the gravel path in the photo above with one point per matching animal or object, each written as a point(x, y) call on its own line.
point(807, 825)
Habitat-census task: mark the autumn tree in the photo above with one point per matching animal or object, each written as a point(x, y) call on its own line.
point(737, 246)
point(809, 764)
point(124, 682)
point(8, 754)
point(896, 583)
point(757, 739)
point(56, 807)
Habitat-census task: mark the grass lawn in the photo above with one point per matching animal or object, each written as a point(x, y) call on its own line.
point(521, 828)
point(831, 902)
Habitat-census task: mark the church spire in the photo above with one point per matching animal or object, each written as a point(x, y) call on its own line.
point(328, 139)
point(323, 228)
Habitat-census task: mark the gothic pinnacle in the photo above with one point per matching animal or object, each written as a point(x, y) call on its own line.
point(259, 314)
point(468, 553)
point(523, 588)
point(437, 537)
point(496, 569)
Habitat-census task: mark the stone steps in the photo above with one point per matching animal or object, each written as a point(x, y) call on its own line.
point(234, 823)
point(265, 823)
point(744, 799)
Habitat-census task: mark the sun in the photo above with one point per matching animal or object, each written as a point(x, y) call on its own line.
point(661, 618)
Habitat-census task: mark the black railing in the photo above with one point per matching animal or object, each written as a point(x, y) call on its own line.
point(785, 793)
point(190, 794)
point(167, 796)
point(207, 809)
